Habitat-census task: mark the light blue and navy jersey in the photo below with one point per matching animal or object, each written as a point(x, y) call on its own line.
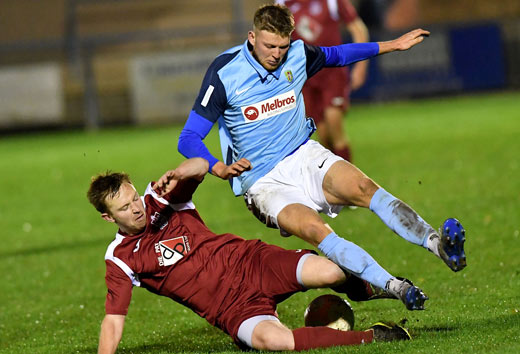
point(261, 114)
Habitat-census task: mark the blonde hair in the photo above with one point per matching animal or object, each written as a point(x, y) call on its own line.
point(276, 19)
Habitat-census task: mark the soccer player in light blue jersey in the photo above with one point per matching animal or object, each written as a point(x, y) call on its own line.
point(253, 91)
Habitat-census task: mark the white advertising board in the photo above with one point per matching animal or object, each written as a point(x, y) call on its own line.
point(31, 95)
point(164, 86)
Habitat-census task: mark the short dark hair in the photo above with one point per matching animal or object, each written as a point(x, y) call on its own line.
point(276, 19)
point(105, 185)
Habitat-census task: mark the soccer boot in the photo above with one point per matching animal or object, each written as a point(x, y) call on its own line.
point(451, 246)
point(411, 296)
point(389, 331)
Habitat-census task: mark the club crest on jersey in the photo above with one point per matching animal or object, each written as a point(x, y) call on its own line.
point(289, 76)
point(270, 107)
point(171, 251)
point(159, 220)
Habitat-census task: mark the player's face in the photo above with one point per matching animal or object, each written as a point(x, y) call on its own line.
point(268, 48)
point(126, 209)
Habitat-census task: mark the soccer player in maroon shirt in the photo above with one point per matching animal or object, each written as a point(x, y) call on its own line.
point(163, 245)
point(327, 94)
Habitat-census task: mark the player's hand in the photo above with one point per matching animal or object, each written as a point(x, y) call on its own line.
point(234, 170)
point(191, 168)
point(405, 42)
point(411, 38)
point(166, 183)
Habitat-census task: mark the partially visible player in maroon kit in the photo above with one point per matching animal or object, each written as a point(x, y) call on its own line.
point(327, 94)
point(164, 246)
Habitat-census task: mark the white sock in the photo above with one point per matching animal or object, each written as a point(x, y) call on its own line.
point(432, 244)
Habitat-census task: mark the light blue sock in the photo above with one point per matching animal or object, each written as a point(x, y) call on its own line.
point(400, 218)
point(354, 259)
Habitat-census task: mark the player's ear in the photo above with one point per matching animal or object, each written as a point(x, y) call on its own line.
point(107, 217)
point(251, 37)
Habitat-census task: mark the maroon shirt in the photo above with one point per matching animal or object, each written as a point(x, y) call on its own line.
point(318, 21)
point(179, 257)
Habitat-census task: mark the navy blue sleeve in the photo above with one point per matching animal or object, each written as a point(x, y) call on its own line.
point(345, 54)
point(212, 99)
point(315, 59)
point(190, 141)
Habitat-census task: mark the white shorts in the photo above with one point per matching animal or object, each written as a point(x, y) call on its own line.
point(298, 178)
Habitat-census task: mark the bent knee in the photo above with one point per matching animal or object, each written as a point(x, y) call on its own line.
point(273, 343)
point(332, 275)
point(320, 272)
point(345, 184)
point(279, 338)
point(300, 220)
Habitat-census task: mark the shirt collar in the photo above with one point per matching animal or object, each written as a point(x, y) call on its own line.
point(262, 72)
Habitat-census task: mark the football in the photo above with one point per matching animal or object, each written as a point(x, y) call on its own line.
point(331, 311)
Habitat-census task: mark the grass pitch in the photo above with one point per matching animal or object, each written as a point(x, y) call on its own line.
point(445, 157)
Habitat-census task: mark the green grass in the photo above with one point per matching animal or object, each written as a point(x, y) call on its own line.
point(445, 157)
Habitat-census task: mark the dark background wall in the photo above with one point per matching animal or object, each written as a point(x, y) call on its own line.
point(98, 48)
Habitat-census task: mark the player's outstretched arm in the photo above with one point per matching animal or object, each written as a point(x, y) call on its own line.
point(405, 42)
point(195, 168)
point(224, 171)
point(111, 333)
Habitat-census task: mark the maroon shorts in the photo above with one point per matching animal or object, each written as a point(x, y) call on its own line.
point(329, 87)
point(269, 278)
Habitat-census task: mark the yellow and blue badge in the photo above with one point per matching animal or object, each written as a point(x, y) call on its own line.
point(289, 76)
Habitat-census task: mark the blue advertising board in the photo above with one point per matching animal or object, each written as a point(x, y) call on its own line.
point(452, 59)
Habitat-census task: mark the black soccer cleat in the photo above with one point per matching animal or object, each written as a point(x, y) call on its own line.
point(389, 331)
point(451, 247)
